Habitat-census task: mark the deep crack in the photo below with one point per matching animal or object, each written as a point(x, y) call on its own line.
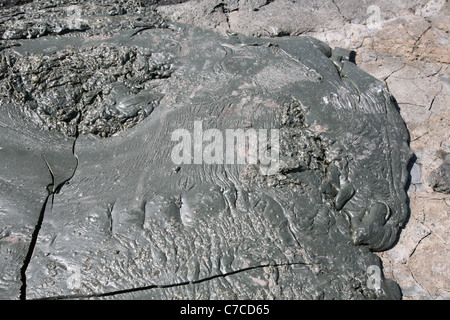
point(23, 270)
point(434, 98)
point(339, 10)
point(418, 243)
point(149, 287)
point(52, 189)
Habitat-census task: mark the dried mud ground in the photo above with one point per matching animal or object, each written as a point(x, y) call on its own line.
point(406, 45)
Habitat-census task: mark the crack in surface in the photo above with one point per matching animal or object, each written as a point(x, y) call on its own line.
point(52, 189)
point(416, 43)
point(339, 10)
point(395, 71)
point(263, 5)
point(34, 236)
point(435, 96)
point(417, 244)
point(165, 286)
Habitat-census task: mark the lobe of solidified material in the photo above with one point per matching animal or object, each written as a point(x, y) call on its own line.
point(130, 222)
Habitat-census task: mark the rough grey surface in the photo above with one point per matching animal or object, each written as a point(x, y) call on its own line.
point(125, 222)
point(100, 89)
point(405, 44)
point(11, 3)
point(34, 165)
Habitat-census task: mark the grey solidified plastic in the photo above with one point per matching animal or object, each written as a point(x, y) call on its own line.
point(126, 222)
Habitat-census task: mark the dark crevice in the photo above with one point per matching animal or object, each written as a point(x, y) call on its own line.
point(166, 286)
point(434, 98)
point(220, 6)
point(23, 270)
point(299, 169)
point(5, 4)
point(52, 189)
point(415, 45)
point(339, 11)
